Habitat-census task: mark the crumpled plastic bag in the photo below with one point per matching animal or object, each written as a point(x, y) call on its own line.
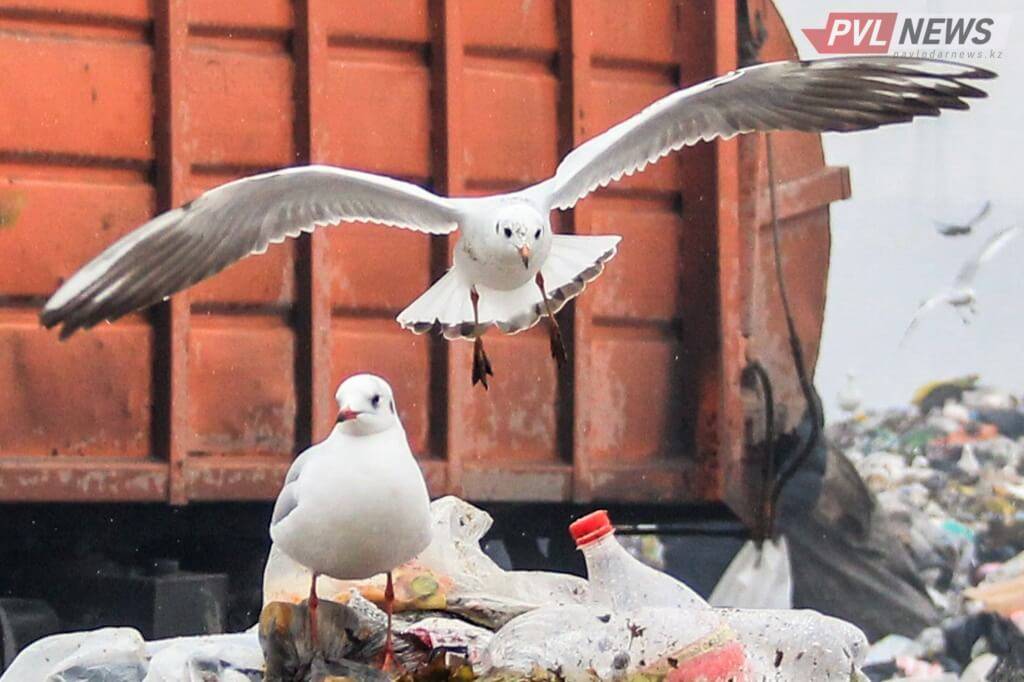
point(225, 658)
point(452, 574)
point(591, 642)
point(757, 578)
point(713, 645)
point(104, 655)
point(796, 644)
point(453, 635)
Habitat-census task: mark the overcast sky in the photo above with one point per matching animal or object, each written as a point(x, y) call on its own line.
point(886, 256)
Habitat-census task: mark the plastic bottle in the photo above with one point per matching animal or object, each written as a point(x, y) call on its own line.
point(618, 580)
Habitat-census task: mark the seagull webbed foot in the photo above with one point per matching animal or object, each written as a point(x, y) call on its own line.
point(557, 345)
point(481, 364)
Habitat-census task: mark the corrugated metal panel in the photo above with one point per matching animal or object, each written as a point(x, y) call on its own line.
point(210, 396)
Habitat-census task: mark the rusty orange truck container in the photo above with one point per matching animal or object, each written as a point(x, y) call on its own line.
point(113, 110)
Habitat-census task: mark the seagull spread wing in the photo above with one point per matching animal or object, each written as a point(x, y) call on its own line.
point(986, 207)
point(960, 229)
point(842, 94)
point(181, 247)
point(995, 243)
point(925, 308)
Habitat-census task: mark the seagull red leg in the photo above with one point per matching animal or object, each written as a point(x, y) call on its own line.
point(389, 608)
point(555, 332)
point(313, 602)
point(481, 364)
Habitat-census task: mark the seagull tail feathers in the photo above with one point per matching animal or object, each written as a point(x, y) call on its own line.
point(574, 261)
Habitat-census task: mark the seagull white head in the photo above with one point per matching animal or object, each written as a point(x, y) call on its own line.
point(523, 231)
point(366, 406)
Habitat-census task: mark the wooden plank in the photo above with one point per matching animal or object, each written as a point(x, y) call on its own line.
point(701, 276)
point(82, 99)
point(575, 35)
point(88, 396)
point(235, 478)
point(450, 375)
point(730, 250)
point(803, 194)
point(170, 27)
point(81, 479)
point(313, 265)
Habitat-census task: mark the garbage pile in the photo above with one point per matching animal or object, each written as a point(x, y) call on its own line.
point(459, 616)
point(949, 472)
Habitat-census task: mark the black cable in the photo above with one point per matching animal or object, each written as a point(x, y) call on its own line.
point(813, 404)
point(764, 505)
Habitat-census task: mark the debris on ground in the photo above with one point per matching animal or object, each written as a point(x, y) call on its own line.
point(461, 618)
point(949, 476)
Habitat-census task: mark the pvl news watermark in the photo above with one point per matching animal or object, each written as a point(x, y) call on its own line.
point(935, 36)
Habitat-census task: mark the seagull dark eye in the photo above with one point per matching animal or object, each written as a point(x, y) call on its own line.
point(508, 232)
point(375, 401)
point(536, 235)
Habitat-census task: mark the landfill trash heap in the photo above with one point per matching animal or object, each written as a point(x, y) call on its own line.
point(459, 616)
point(948, 471)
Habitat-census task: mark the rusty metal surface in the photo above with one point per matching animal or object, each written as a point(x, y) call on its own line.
point(805, 187)
point(137, 106)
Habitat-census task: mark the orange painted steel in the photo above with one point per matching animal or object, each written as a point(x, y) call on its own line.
point(111, 110)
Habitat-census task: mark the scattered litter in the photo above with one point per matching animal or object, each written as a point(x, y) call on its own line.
point(950, 476)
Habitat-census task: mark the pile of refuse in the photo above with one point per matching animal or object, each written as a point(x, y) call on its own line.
point(459, 616)
point(949, 473)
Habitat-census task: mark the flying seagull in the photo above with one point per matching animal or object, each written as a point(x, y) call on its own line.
point(962, 295)
point(960, 229)
point(355, 505)
point(509, 269)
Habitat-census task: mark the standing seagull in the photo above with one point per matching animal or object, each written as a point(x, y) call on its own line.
point(355, 505)
point(509, 268)
point(960, 229)
point(850, 397)
point(962, 295)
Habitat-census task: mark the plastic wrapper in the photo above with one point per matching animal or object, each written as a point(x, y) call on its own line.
point(589, 643)
point(453, 574)
point(451, 635)
point(220, 658)
point(757, 578)
point(796, 645)
point(105, 655)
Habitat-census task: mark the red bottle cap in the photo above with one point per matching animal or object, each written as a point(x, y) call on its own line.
point(591, 527)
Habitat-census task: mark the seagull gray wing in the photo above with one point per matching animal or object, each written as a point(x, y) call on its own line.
point(287, 502)
point(178, 248)
point(288, 498)
point(841, 94)
point(925, 308)
point(986, 207)
point(994, 244)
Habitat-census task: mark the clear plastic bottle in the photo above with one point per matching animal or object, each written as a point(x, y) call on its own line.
point(618, 580)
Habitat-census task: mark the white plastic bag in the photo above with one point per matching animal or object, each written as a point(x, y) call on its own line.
point(452, 574)
point(590, 642)
point(757, 578)
point(110, 654)
point(712, 645)
point(225, 658)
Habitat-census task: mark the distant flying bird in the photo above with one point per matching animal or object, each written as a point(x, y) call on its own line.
point(509, 270)
point(962, 295)
point(960, 229)
point(355, 505)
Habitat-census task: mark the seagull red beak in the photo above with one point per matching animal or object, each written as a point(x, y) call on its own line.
point(346, 414)
point(524, 253)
